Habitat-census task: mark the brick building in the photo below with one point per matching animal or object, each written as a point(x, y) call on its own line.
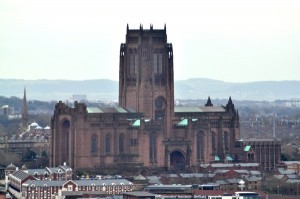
point(146, 128)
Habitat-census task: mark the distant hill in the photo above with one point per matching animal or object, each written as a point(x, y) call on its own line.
point(197, 88)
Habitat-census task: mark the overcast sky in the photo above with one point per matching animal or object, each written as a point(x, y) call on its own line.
point(233, 41)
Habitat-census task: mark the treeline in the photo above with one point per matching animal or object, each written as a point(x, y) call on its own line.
point(34, 106)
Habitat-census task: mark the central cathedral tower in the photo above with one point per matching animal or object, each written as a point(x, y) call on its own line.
point(146, 73)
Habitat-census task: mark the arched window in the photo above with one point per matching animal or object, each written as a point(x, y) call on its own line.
point(121, 143)
point(226, 140)
point(107, 143)
point(133, 61)
point(157, 62)
point(64, 147)
point(152, 147)
point(94, 144)
point(136, 61)
point(213, 141)
point(200, 145)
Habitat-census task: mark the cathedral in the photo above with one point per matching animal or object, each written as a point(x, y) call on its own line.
point(146, 128)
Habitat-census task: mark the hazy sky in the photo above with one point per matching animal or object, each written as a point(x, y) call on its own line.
point(233, 41)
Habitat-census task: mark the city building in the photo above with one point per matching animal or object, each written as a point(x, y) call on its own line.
point(146, 128)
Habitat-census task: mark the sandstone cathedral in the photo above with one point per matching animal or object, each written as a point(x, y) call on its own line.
point(146, 129)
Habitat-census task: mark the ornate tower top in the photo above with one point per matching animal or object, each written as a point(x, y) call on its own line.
point(208, 103)
point(146, 72)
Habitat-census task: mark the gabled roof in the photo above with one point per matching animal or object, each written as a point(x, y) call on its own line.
point(65, 167)
point(154, 179)
point(221, 171)
point(234, 180)
point(253, 179)
point(101, 182)
point(20, 174)
point(286, 171)
point(38, 171)
point(242, 171)
point(43, 183)
point(291, 162)
point(254, 172)
point(197, 175)
point(55, 170)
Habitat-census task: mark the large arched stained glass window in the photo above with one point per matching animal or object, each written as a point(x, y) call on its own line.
point(152, 147)
point(121, 143)
point(107, 143)
point(200, 145)
point(226, 141)
point(94, 144)
point(213, 141)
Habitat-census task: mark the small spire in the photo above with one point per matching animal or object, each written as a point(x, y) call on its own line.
point(230, 101)
point(208, 103)
point(230, 106)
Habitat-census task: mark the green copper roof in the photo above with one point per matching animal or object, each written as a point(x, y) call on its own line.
point(247, 148)
point(94, 110)
point(217, 158)
point(120, 110)
point(183, 122)
point(137, 123)
point(229, 158)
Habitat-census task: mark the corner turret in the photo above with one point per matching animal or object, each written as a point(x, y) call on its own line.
point(208, 103)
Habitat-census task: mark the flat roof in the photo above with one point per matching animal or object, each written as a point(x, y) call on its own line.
point(198, 109)
point(139, 193)
point(109, 110)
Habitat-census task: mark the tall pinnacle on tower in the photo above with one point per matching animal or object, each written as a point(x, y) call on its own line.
point(24, 111)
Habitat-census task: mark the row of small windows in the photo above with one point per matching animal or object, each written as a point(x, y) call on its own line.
point(107, 143)
point(157, 63)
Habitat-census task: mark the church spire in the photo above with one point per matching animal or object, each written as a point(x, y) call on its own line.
point(24, 111)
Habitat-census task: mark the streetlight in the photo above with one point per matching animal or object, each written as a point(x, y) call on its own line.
point(277, 189)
